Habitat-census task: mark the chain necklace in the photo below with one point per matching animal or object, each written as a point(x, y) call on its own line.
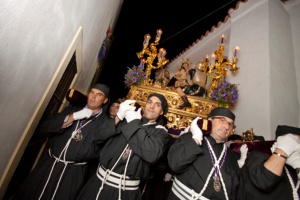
point(77, 134)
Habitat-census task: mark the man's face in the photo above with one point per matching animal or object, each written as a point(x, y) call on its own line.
point(153, 109)
point(113, 110)
point(221, 127)
point(96, 99)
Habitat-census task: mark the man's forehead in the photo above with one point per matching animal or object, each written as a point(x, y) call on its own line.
point(155, 99)
point(227, 118)
point(97, 91)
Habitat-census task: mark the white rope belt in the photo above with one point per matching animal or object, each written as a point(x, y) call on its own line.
point(65, 161)
point(185, 193)
point(114, 179)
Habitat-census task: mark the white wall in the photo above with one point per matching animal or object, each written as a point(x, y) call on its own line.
point(267, 32)
point(284, 104)
point(293, 8)
point(34, 37)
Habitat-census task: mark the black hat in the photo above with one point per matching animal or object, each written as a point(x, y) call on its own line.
point(220, 111)
point(259, 138)
point(284, 129)
point(104, 88)
point(115, 101)
point(164, 103)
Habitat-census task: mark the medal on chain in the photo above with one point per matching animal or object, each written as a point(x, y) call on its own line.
point(217, 183)
point(78, 135)
point(217, 173)
point(126, 153)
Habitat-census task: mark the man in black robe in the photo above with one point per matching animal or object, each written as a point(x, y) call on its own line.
point(203, 165)
point(61, 172)
point(275, 176)
point(138, 144)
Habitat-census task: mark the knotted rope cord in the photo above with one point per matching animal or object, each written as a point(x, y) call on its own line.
point(126, 166)
point(294, 188)
point(108, 172)
point(63, 152)
point(213, 169)
point(124, 175)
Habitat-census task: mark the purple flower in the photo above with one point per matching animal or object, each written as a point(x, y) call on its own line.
point(225, 93)
point(135, 76)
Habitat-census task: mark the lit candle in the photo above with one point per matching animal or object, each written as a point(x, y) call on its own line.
point(222, 39)
point(213, 58)
point(146, 39)
point(158, 34)
point(235, 51)
point(142, 61)
point(161, 53)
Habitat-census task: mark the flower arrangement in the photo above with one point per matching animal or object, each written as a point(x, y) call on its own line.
point(225, 93)
point(135, 76)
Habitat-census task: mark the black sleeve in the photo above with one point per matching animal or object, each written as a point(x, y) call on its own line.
point(52, 125)
point(183, 152)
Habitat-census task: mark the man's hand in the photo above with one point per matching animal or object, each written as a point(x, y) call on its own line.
point(132, 115)
point(288, 143)
point(196, 131)
point(84, 113)
point(244, 151)
point(124, 107)
point(294, 159)
point(168, 177)
point(274, 146)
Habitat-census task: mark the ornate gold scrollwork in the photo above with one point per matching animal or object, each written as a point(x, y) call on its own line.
point(177, 118)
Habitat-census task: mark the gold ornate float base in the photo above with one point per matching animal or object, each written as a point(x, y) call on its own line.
point(176, 118)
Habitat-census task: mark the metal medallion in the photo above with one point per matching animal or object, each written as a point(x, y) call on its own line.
point(126, 153)
point(78, 136)
point(217, 183)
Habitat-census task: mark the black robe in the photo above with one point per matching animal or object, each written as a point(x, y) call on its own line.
point(148, 144)
point(192, 164)
point(74, 175)
point(260, 183)
point(155, 187)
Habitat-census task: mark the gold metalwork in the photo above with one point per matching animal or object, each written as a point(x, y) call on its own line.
point(248, 136)
point(177, 118)
point(151, 54)
point(216, 69)
point(200, 107)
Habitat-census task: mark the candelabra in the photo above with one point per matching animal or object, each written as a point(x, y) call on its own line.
point(149, 54)
point(216, 66)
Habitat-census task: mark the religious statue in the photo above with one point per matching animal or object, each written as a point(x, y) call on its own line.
point(162, 76)
point(198, 77)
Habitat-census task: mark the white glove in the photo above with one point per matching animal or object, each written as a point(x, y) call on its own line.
point(196, 131)
point(84, 113)
point(187, 129)
point(288, 143)
point(124, 107)
point(132, 115)
point(244, 151)
point(294, 159)
point(168, 177)
point(274, 146)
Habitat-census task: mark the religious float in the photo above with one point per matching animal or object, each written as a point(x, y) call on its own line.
point(181, 113)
